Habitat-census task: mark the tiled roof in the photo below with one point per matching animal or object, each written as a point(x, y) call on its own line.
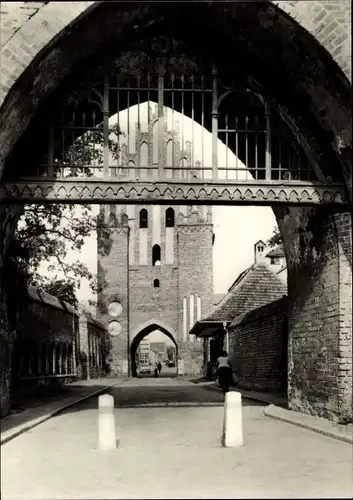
point(276, 252)
point(217, 297)
point(39, 295)
point(256, 286)
point(279, 305)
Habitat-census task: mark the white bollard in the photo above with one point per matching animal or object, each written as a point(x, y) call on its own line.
point(232, 423)
point(106, 423)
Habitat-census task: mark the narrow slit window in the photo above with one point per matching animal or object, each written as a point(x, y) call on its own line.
point(169, 218)
point(156, 255)
point(143, 219)
point(156, 283)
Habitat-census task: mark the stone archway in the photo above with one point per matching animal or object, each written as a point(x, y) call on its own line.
point(143, 331)
point(317, 241)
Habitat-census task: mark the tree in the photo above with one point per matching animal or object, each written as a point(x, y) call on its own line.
point(47, 233)
point(276, 238)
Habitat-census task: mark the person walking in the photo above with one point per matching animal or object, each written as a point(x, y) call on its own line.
point(224, 370)
point(156, 371)
point(159, 366)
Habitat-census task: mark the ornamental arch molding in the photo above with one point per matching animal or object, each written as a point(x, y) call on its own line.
point(26, 30)
point(326, 126)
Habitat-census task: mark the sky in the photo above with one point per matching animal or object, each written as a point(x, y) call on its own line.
point(236, 229)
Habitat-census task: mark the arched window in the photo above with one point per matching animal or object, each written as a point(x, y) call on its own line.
point(156, 255)
point(143, 218)
point(156, 283)
point(169, 217)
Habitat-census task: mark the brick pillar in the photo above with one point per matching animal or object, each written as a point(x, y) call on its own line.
point(47, 353)
point(84, 355)
point(318, 249)
point(195, 278)
point(39, 359)
point(54, 358)
point(66, 359)
point(343, 223)
point(113, 277)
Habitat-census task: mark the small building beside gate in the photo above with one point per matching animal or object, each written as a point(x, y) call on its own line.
point(256, 298)
point(52, 338)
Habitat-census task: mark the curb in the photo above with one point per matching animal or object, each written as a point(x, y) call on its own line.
point(272, 412)
point(172, 405)
point(251, 398)
point(22, 428)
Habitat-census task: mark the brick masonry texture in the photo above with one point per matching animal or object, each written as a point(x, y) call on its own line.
point(258, 347)
point(318, 250)
point(26, 28)
point(146, 308)
point(113, 276)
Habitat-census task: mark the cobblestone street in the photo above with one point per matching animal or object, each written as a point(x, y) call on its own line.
point(172, 452)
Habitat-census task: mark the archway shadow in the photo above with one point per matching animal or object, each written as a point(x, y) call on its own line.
point(140, 336)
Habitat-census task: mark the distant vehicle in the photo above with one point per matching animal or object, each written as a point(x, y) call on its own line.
point(145, 368)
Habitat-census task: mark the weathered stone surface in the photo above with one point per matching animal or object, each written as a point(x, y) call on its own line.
point(318, 250)
point(258, 347)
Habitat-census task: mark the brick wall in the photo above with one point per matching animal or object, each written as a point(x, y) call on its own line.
point(318, 251)
point(258, 347)
point(195, 267)
point(26, 27)
point(113, 258)
point(147, 302)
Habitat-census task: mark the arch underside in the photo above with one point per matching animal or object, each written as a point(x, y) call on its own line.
point(141, 335)
point(133, 78)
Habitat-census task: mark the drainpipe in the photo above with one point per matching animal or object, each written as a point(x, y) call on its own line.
point(226, 336)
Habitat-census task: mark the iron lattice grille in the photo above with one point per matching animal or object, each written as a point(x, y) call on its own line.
point(159, 115)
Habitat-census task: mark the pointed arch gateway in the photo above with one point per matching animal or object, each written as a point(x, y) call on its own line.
point(141, 332)
point(239, 112)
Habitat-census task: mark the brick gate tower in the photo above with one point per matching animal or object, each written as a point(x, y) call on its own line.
point(155, 268)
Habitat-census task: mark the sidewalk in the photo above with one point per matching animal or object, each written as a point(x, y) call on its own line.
point(263, 397)
point(41, 409)
point(278, 410)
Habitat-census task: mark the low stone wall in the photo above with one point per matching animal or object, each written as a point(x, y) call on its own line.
point(258, 343)
point(191, 358)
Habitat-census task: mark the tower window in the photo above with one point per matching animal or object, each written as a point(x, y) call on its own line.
point(156, 255)
point(156, 283)
point(143, 218)
point(169, 217)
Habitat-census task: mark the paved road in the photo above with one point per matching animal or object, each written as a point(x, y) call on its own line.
point(161, 391)
point(172, 453)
